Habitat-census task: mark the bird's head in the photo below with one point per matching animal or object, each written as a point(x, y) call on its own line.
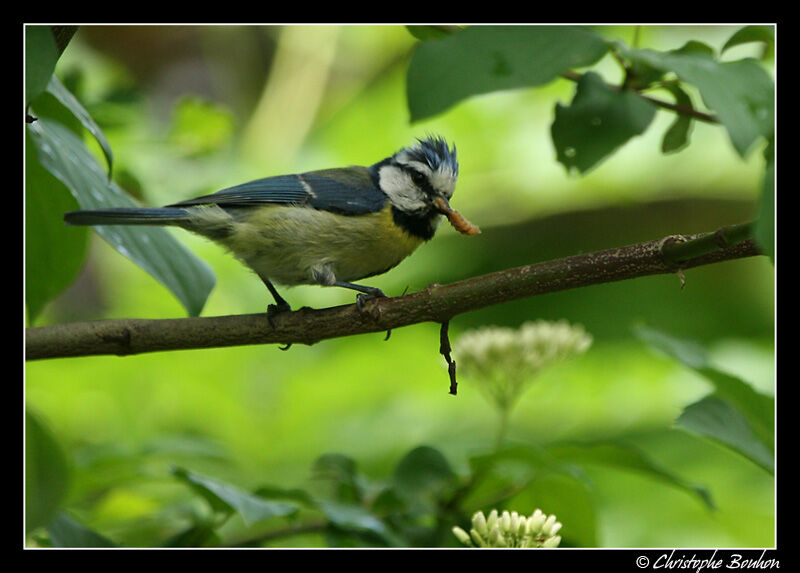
point(421, 178)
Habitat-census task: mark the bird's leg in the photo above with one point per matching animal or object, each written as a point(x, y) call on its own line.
point(280, 304)
point(365, 293)
point(324, 275)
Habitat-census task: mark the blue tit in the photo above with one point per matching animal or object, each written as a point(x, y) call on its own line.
point(328, 227)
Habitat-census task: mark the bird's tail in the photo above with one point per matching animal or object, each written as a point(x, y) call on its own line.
point(128, 216)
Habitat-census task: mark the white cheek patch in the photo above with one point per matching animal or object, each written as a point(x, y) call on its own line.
point(442, 180)
point(397, 184)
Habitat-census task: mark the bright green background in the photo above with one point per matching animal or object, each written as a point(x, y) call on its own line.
point(286, 100)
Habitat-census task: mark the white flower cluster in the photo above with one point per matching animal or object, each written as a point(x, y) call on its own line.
point(511, 530)
point(505, 360)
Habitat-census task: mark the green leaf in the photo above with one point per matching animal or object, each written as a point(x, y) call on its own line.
point(41, 55)
point(46, 473)
point(718, 420)
point(677, 136)
point(199, 535)
point(747, 34)
point(226, 498)
point(432, 32)
point(483, 59)
point(68, 100)
point(423, 471)
point(757, 408)
point(152, 248)
point(341, 471)
point(357, 519)
point(764, 232)
point(598, 121)
point(571, 500)
point(54, 254)
point(65, 531)
point(740, 92)
point(625, 457)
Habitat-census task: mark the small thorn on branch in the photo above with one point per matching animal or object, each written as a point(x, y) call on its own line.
point(444, 350)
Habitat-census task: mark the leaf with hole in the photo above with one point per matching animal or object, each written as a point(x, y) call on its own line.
point(597, 122)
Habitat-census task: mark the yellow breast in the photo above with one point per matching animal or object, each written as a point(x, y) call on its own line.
point(287, 243)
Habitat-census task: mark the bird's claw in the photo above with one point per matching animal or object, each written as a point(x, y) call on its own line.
point(363, 297)
point(275, 309)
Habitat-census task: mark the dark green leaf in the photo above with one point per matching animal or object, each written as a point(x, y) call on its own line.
point(677, 136)
point(41, 55)
point(65, 531)
point(356, 518)
point(717, 419)
point(226, 498)
point(625, 457)
point(423, 471)
point(757, 408)
point(68, 100)
point(152, 248)
point(341, 471)
point(483, 59)
point(747, 34)
point(199, 535)
point(299, 496)
point(741, 92)
point(54, 254)
point(764, 232)
point(597, 122)
point(46, 473)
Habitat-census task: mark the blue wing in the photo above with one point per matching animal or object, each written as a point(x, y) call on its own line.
point(348, 191)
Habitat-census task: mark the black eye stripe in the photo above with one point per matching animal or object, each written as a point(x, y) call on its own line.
point(420, 179)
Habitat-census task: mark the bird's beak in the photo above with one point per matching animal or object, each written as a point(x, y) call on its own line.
point(441, 204)
point(456, 219)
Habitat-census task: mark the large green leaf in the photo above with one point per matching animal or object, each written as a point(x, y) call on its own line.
point(46, 473)
point(226, 498)
point(597, 122)
point(54, 254)
point(625, 457)
point(717, 419)
point(483, 59)
point(152, 248)
point(756, 408)
point(41, 55)
point(69, 101)
point(741, 93)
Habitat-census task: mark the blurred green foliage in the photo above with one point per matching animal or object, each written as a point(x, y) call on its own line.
point(356, 442)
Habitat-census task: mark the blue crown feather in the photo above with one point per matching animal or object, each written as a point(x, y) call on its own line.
point(434, 152)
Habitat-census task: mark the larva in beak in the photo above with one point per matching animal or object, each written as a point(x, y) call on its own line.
point(456, 219)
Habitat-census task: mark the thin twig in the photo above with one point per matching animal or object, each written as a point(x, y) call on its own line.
point(444, 350)
point(683, 110)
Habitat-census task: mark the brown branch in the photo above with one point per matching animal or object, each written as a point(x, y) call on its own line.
point(436, 303)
